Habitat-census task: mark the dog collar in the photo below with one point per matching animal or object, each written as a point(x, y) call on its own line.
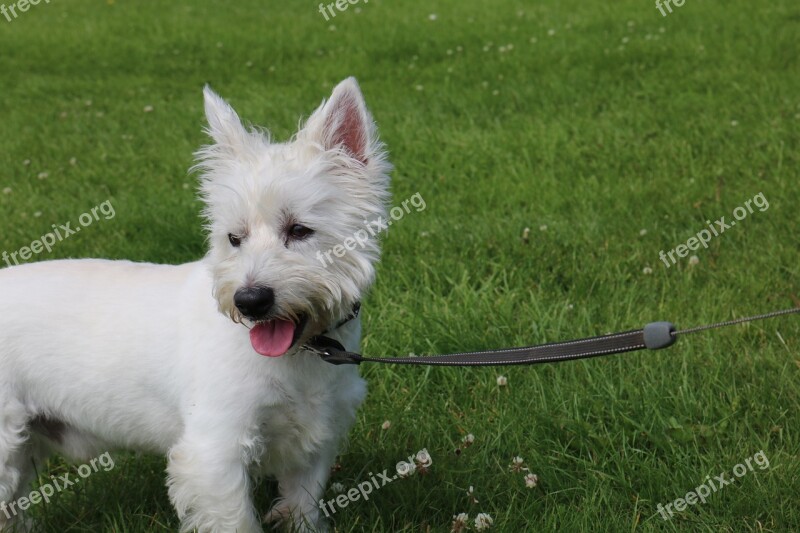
point(321, 343)
point(352, 316)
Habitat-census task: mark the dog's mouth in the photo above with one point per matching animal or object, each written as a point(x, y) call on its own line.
point(276, 336)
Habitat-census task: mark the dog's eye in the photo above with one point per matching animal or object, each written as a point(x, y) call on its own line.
point(300, 232)
point(234, 240)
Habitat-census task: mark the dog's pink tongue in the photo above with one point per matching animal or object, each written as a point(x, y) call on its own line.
point(272, 338)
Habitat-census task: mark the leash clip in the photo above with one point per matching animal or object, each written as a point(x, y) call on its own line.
point(331, 351)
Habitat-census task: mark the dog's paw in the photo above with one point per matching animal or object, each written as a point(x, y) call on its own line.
point(282, 517)
point(278, 516)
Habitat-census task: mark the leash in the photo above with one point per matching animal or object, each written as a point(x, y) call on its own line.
point(653, 336)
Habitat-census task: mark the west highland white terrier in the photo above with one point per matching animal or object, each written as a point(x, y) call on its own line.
point(206, 362)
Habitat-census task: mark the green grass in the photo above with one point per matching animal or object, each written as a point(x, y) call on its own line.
point(601, 120)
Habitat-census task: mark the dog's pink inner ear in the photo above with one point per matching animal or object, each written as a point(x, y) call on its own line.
point(347, 127)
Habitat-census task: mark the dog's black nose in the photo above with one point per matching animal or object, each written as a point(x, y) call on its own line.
point(254, 302)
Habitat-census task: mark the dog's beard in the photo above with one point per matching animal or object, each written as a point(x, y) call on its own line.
point(282, 332)
point(302, 313)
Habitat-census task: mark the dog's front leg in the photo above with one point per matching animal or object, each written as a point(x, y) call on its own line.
point(301, 492)
point(210, 488)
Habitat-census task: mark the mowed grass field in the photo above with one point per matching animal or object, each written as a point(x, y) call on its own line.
point(609, 131)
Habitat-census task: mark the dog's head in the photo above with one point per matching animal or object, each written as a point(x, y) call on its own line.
point(283, 218)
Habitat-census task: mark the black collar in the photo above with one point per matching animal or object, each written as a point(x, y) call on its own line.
point(322, 343)
point(352, 316)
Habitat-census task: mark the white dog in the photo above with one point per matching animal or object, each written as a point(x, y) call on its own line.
point(205, 362)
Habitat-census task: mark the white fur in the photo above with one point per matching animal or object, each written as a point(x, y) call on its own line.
point(158, 358)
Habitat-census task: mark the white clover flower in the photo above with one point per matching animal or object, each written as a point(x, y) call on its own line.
point(43, 175)
point(502, 381)
point(531, 480)
point(694, 260)
point(7, 190)
point(517, 464)
point(468, 439)
point(459, 523)
point(148, 109)
point(386, 425)
point(423, 458)
point(405, 469)
point(647, 271)
point(337, 487)
point(483, 521)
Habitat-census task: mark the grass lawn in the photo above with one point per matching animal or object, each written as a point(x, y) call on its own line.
point(610, 131)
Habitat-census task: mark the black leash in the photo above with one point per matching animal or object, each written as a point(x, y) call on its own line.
point(653, 336)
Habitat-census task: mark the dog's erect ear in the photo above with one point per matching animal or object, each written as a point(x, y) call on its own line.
point(224, 125)
point(343, 121)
